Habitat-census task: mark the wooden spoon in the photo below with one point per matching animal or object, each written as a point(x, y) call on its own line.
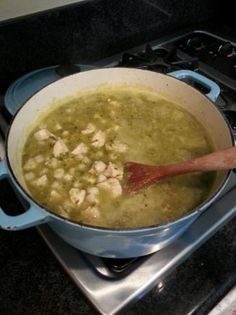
point(140, 176)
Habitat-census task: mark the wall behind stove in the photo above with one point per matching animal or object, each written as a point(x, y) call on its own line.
point(90, 31)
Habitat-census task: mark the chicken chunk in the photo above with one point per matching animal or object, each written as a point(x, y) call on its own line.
point(52, 163)
point(101, 178)
point(81, 149)
point(60, 148)
point(92, 195)
point(43, 134)
point(42, 181)
point(91, 212)
point(89, 129)
point(116, 189)
point(104, 185)
point(98, 167)
point(77, 196)
point(111, 185)
point(98, 140)
point(117, 146)
point(113, 170)
point(93, 190)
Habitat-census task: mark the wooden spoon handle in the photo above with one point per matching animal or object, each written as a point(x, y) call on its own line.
point(219, 160)
point(142, 175)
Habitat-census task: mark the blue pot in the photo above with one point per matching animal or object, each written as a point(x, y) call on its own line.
point(104, 242)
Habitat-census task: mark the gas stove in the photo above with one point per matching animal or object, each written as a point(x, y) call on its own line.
point(111, 284)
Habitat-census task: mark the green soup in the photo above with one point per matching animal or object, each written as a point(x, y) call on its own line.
point(73, 158)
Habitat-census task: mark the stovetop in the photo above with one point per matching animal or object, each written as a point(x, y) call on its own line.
point(112, 284)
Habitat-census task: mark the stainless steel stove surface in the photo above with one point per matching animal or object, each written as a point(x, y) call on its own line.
point(112, 284)
point(110, 291)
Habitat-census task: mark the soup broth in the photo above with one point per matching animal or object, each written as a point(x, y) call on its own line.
point(73, 158)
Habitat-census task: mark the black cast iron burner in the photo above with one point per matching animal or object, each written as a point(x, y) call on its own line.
point(163, 59)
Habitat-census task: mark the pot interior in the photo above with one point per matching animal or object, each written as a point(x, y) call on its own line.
point(174, 90)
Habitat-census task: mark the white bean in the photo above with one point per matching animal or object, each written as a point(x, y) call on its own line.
point(55, 196)
point(65, 133)
point(42, 181)
point(52, 163)
point(39, 158)
point(59, 173)
point(30, 164)
point(68, 177)
point(29, 176)
point(56, 185)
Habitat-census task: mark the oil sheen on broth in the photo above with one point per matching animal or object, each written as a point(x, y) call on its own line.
point(73, 158)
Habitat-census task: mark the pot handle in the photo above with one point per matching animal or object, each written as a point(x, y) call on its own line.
point(202, 80)
point(33, 216)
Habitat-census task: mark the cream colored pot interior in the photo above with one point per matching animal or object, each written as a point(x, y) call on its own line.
point(173, 89)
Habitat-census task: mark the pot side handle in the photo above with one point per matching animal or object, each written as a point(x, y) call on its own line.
point(184, 75)
point(33, 216)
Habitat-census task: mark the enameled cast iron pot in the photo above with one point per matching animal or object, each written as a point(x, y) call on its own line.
point(104, 242)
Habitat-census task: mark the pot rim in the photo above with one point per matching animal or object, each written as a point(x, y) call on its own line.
point(196, 210)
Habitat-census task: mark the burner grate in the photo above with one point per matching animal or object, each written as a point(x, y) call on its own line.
point(162, 59)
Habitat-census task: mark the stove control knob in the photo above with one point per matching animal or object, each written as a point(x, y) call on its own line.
point(227, 50)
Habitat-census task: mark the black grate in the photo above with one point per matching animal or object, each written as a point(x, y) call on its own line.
point(162, 59)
